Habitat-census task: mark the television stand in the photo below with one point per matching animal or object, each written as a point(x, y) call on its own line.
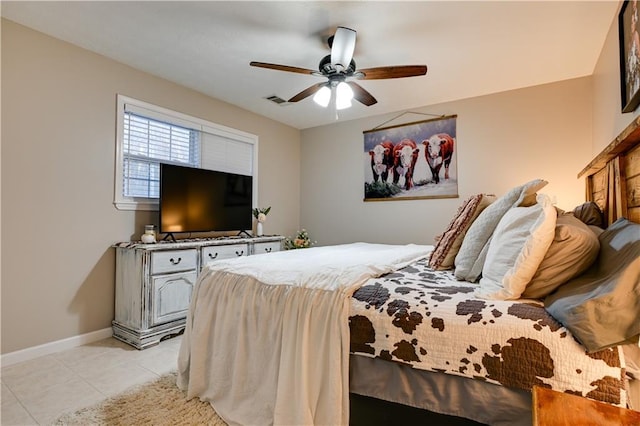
point(246, 233)
point(154, 282)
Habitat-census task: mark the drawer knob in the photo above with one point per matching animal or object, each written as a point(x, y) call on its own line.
point(267, 249)
point(213, 256)
point(175, 262)
point(239, 253)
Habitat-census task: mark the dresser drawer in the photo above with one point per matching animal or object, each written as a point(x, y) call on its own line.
point(224, 252)
point(267, 247)
point(173, 261)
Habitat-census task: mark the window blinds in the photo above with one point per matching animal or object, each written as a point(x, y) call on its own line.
point(222, 153)
point(151, 137)
point(149, 142)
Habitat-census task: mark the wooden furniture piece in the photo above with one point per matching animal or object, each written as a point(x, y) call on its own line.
point(154, 282)
point(613, 177)
point(552, 408)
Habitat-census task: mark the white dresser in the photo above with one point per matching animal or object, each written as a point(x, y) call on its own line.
point(154, 282)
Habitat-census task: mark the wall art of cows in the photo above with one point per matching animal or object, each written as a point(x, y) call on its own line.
point(411, 161)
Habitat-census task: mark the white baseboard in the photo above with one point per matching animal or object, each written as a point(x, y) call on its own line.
point(53, 347)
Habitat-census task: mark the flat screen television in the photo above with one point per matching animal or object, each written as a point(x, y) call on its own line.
point(199, 200)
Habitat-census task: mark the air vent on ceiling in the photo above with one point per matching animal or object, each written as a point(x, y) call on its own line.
point(276, 100)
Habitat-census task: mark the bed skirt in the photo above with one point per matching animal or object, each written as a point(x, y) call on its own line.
point(441, 393)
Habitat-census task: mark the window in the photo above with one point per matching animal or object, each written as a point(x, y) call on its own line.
point(149, 135)
point(147, 142)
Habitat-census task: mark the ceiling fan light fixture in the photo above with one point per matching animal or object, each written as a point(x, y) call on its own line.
point(343, 104)
point(322, 96)
point(344, 95)
point(344, 43)
point(339, 69)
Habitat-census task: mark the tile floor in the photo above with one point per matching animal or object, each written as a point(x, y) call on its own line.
point(38, 391)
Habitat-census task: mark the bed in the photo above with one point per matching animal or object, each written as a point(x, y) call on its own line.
point(271, 340)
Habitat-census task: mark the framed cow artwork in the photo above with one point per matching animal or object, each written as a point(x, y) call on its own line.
point(411, 161)
point(629, 45)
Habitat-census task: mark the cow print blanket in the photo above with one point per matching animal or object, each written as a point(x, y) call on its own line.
point(430, 321)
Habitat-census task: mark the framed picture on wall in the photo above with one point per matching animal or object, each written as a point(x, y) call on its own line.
point(411, 161)
point(629, 40)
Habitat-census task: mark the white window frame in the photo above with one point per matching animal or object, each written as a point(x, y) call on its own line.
point(174, 117)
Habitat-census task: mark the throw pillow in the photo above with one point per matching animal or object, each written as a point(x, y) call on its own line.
point(574, 248)
point(589, 213)
point(601, 307)
point(517, 248)
point(448, 244)
point(472, 253)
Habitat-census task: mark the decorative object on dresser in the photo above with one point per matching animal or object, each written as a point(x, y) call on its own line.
point(300, 241)
point(149, 235)
point(154, 282)
point(261, 217)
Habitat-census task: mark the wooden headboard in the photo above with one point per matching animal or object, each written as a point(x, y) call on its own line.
point(613, 177)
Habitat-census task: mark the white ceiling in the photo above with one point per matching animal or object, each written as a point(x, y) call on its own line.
point(471, 48)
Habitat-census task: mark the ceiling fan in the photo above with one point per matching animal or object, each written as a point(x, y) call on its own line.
point(340, 70)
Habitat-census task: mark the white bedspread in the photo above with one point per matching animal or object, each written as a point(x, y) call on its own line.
point(267, 337)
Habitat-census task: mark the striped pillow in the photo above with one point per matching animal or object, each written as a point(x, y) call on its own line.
point(450, 241)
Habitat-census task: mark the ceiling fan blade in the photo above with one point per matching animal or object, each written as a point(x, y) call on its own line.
point(307, 92)
point(342, 47)
point(396, 71)
point(361, 95)
point(283, 68)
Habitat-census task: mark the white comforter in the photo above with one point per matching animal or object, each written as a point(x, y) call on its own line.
point(267, 337)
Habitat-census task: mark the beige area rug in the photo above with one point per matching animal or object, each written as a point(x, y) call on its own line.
point(155, 403)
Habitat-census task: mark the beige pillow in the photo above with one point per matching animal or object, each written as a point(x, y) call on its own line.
point(517, 248)
point(472, 253)
point(573, 249)
point(449, 242)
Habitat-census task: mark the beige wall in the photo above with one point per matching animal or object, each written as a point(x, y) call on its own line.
point(503, 140)
point(58, 147)
point(608, 119)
